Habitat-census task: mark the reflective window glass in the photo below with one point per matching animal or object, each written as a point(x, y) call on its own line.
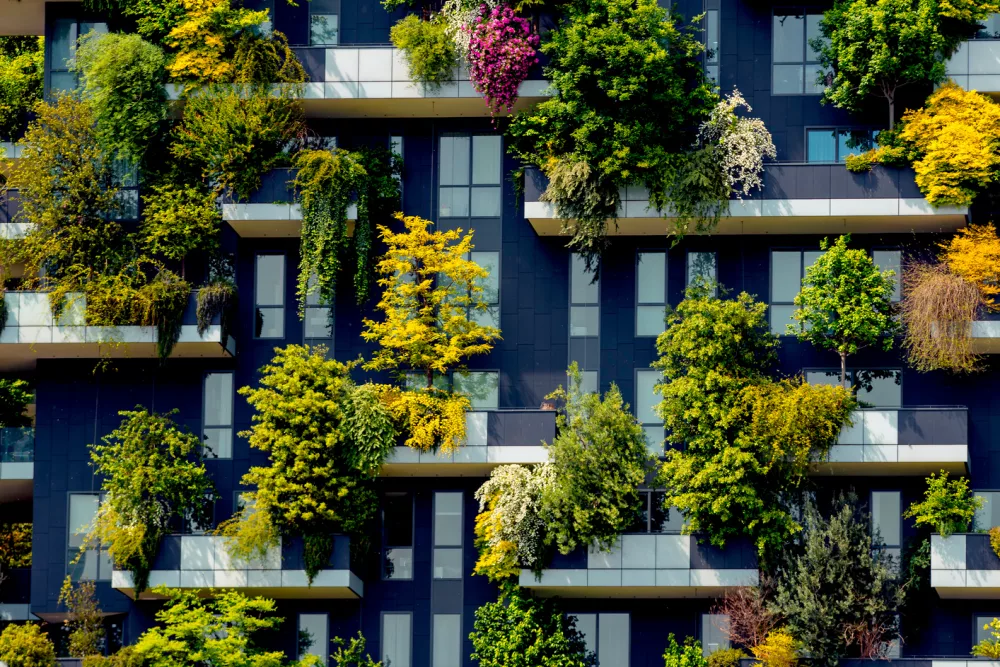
point(447, 640)
point(396, 639)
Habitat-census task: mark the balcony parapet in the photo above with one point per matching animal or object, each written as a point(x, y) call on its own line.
point(964, 566)
point(795, 199)
point(202, 562)
point(493, 438)
point(15, 595)
point(649, 566)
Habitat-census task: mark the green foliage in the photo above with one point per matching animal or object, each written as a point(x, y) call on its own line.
point(615, 65)
point(219, 632)
point(989, 648)
point(122, 78)
point(948, 505)
point(836, 588)
point(266, 60)
point(845, 303)
point(918, 596)
point(379, 197)
point(726, 657)
point(25, 645)
point(520, 631)
point(15, 545)
point(683, 655)
point(202, 38)
point(352, 654)
point(21, 80)
point(152, 473)
point(217, 299)
point(178, 220)
point(743, 441)
point(15, 395)
point(86, 622)
point(427, 47)
point(599, 459)
point(861, 163)
point(326, 439)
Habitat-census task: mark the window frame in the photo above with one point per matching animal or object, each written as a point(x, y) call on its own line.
point(81, 553)
point(382, 643)
point(338, 14)
point(232, 413)
point(460, 547)
point(895, 549)
point(386, 547)
point(646, 304)
point(493, 307)
point(284, 295)
point(713, 15)
point(470, 186)
point(805, 63)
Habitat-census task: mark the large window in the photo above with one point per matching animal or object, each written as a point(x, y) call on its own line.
point(217, 427)
point(788, 267)
point(324, 22)
point(397, 639)
point(608, 636)
point(397, 535)
point(318, 321)
point(447, 640)
point(714, 633)
point(92, 563)
point(712, 45)
point(646, 400)
point(834, 144)
point(654, 517)
point(62, 51)
point(874, 387)
point(269, 295)
point(795, 64)
point(701, 270)
point(651, 293)
point(448, 535)
point(314, 636)
point(584, 319)
point(887, 521)
point(491, 289)
point(483, 388)
point(470, 176)
point(891, 260)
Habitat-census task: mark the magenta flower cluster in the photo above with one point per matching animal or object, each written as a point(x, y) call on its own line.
point(501, 51)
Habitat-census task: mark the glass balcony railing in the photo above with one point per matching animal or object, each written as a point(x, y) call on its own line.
point(17, 445)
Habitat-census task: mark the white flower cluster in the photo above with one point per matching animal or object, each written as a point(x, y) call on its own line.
point(459, 14)
point(742, 143)
point(516, 491)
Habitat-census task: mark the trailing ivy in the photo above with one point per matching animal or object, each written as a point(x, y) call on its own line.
point(152, 474)
point(379, 197)
point(217, 299)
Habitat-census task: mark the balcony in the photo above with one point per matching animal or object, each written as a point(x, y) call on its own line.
point(964, 567)
point(907, 441)
point(493, 438)
point(272, 211)
point(17, 465)
point(986, 334)
point(202, 562)
point(795, 199)
point(649, 566)
point(976, 66)
point(31, 334)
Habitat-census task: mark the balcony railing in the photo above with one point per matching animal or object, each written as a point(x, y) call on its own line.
point(31, 333)
point(976, 65)
point(493, 438)
point(904, 441)
point(649, 566)
point(202, 562)
point(964, 566)
point(795, 198)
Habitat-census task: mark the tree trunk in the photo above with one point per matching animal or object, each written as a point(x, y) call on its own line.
point(843, 369)
point(892, 112)
point(430, 379)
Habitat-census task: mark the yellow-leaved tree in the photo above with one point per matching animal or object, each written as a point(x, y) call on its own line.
point(200, 39)
point(432, 292)
point(974, 254)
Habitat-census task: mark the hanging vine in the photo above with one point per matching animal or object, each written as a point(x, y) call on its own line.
point(378, 198)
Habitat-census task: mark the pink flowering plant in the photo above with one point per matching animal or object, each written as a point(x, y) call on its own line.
point(501, 51)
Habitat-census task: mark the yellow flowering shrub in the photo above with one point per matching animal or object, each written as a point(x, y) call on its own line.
point(779, 649)
point(200, 39)
point(974, 254)
point(429, 417)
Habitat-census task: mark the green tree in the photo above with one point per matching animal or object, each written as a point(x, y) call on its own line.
point(326, 439)
point(688, 654)
point(25, 645)
point(220, 632)
point(845, 303)
point(599, 459)
point(22, 64)
point(152, 473)
point(122, 78)
point(15, 395)
point(178, 220)
point(836, 587)
point(352, 654)
point(743, 441)
point(948, 505)
point(521, 631)
point(85, 620)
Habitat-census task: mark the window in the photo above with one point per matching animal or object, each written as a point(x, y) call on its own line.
point(874, 387)
point(712, 45)
point(654, 517)
point(470, 176)
point(491, 289)
point(481, 386)
point(324, 22)
point(795, 64)
point(396, 146)
point(646, 400)
point(65, 33)
point(988, 515)
point(318, 321)
point(990, 28)
point(447, 641)
point(608, 636)
point(701, 270)
point(584, 316)
point(93, 563)
point(448, 535)
point(314, 636)
point(890, 260)
point(397, 536)
point(981, 631)
point(788, 267)
point(651, 292)
point(396, 639)
point(217, 426)
point(887, 521)
point(834, 144)
point(269, 292)
point(714, 633)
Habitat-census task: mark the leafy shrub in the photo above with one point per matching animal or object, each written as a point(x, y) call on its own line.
point(938, 310)
point(15, 395)
point(948, 505)
point(427, 48)
point(780, 649)
point(688, 654)
point(179, 219)
point(25, 645)
point(86, 622)
point(153, 474)
point(15, 545)
point(21, 73)
point(726, 657)
point(863, 162)
point(200, 35)
point(740, 143)
point(994, 533)
point(352, 654)
point(501, 52)
point(750, 614)
point(974, 254)
point(989, 648)
point(429, 417)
